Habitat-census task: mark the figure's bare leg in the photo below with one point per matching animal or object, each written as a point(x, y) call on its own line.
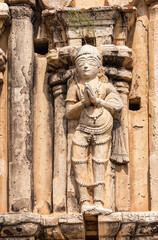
point(100, 156)
point(80, 163)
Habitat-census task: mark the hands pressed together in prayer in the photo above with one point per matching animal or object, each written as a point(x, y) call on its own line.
point(89, 95)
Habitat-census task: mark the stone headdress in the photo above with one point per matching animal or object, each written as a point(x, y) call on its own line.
point(88, 50)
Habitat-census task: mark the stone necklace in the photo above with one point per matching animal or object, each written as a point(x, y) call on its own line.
point(97, 91)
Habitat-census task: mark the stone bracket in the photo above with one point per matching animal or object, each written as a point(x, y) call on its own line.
point(117, 61)
point(4, 17)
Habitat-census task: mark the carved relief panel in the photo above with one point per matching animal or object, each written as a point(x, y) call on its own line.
point(89, 177)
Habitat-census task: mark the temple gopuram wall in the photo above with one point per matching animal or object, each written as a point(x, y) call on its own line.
point(65, 174)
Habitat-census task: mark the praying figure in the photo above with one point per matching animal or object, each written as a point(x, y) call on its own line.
point(94, 103)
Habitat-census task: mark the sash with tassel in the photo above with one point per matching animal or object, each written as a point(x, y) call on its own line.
point(118, 153)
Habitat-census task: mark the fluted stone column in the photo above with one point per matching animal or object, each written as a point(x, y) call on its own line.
point(153, 102)
point(20, 87)
point(60, 150)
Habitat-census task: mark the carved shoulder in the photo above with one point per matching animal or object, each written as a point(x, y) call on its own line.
point(110, 88)
point(72, 93)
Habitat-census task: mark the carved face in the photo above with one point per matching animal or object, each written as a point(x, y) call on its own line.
point(87, 66)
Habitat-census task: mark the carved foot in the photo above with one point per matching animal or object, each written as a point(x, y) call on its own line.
point(86, 207)
point(96, 210)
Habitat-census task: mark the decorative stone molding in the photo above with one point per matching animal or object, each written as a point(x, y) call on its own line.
point(120, 224)
point(73, 26)
point(2, 64)
point(33, 225)
point(21, 12)
point(129, 224)
point(30, 2)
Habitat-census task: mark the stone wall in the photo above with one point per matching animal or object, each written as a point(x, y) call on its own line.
point(39, 40)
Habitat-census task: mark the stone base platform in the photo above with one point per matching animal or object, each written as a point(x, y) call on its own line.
point(115, 226)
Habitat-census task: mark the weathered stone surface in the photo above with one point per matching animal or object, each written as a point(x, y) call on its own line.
point(49, 4)
point(96, 24)
point(148, 2)
point(153, 101)
point(42, 141)
point(60, 149)
point(31, 2)
point(20, 86)
point(21, 238)
point(138, 117)
point(108, 229)
point(117, 225)
point(4, 17)
point(117, 55)
point(127, 229)
point(3, 125)
point(121, 3)
point(53, 4)
point(4, 11)
point(2, 64)
point(13, 219)
point(25, 229)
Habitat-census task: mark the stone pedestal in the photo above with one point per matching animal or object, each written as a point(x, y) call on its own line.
point(20, 88)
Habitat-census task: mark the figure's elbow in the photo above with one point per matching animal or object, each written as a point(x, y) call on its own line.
point(68, 114)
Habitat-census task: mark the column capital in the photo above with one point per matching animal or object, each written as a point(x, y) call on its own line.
point(21, 12)
point(122, 87)
point(59, 89)
point(16, 2)
point(148, 2)
point(4, 17)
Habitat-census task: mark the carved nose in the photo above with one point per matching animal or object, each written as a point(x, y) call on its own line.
point(85, 67)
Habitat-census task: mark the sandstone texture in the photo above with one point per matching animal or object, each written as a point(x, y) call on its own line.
point(78, 119)
point(118, 225)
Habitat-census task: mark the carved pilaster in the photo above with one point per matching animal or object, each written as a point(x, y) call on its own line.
point(153, 102)
point(60, 150)
point(21, 56)
point(42, 139)
point(3, 135)
point(122, 171)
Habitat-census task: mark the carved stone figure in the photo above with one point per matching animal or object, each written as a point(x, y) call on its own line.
point(95, 104)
